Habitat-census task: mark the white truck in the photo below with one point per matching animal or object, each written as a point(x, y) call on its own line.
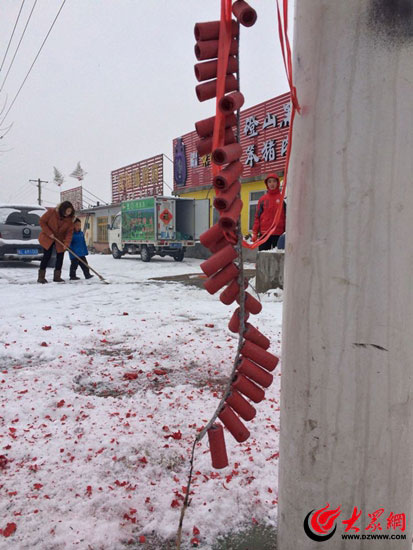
point(162, 226)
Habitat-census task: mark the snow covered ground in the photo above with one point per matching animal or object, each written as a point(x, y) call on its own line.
point(103, 389)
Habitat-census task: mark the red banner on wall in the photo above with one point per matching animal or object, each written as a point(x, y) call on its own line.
point(74, 195)
point(141, 179)
point(264, 140)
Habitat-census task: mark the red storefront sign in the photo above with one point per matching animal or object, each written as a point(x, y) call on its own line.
point(74, 195)
point(141, 179)
point(264, 139)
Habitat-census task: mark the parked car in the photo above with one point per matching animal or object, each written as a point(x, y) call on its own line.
point(19, 232)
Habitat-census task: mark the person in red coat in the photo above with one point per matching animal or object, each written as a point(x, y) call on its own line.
point(267, 207)
point(58, 224)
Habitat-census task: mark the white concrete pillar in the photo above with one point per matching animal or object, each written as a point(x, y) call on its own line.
point(346, 429)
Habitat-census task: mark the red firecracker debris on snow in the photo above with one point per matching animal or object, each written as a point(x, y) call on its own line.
point(175, 435)
point(9, 530)
point(130, 376)
point(47, 327)
point(160, 372)
point(44, 344)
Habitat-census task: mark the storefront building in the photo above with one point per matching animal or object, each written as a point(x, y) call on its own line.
point(137, 180)
point(264, 139)
point(95, 223)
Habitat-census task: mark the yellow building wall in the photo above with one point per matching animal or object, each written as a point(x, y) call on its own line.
point(246, 189)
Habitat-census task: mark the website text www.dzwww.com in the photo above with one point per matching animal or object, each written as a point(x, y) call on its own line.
point(371, 536)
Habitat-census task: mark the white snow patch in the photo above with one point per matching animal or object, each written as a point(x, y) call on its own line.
point(96, 458)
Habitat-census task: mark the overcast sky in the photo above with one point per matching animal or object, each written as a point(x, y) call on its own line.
point(113, 85)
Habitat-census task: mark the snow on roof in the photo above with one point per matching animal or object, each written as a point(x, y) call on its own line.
point(19, 205)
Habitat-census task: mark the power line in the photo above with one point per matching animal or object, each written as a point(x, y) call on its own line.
point(22, 189)
point(6, 130)
point(12, 34)
point(166, 156)
point(20, 195)
point(99, 199)
point(52, 190)
point(35, 59)
point(18, 45)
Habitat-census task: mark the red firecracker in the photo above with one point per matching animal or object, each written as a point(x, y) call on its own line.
point(258, 355)
point(233, 424)
point(217, 446)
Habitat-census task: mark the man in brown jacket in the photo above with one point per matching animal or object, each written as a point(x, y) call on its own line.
point(56, 224)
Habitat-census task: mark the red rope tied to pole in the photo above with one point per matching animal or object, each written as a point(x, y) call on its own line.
point(295, 107)
point(286, 51)
point(225, 37)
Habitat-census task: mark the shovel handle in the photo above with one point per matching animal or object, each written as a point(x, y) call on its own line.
point(80, 259)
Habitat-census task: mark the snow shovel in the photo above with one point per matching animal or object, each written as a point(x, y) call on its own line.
point(80, 260)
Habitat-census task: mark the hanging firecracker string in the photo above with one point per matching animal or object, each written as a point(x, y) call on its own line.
point(252, 364)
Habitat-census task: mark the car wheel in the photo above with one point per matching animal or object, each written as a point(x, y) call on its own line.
point(145, 254)
point(179, 256)
point(116, 253)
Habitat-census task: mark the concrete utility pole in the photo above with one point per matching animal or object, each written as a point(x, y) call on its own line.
point(39, 189)
point(346, 422)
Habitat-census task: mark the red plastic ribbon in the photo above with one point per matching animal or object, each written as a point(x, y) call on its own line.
point(286, 53)
point(225, 37)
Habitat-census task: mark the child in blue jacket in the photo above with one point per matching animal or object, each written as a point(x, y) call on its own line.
point(78, 245)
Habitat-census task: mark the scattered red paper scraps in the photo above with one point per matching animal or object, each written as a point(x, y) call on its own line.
point(275, 455)
point(142, 539)
point(175, 435)
point(9, 530)
point(160, 372)
point(3, 462)
point(60, 403)
point(125, 313)
point(130, 376)
point(44, 344)
point(47, 327)
point(209, 325)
